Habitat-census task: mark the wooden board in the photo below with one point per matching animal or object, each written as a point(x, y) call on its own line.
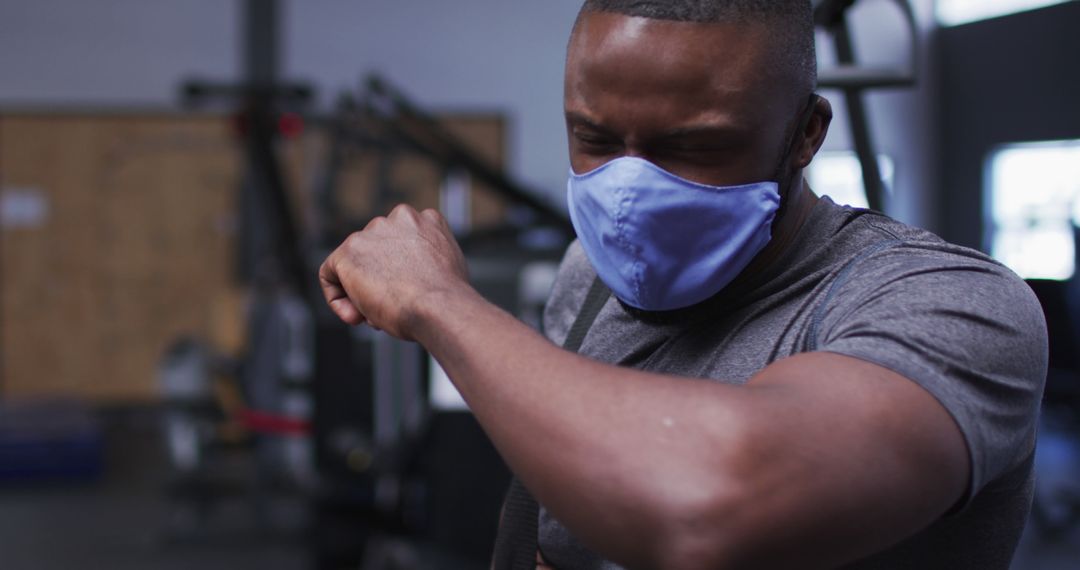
point(135, 248)
point(131, 254)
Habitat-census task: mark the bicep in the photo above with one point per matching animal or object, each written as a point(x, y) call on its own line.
point(846, 459)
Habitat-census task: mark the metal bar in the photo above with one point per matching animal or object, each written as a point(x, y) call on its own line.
point(263, 160)
point(845, 77)
point(425, 134)
point(860, 128)
point(261, 28)
point(260, 42)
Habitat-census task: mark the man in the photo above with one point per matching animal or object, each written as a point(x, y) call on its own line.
point(874, 390)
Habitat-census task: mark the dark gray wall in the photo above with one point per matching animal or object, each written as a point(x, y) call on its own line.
point(1010, 79)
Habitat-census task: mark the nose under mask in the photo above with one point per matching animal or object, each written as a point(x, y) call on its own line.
point(661, 242)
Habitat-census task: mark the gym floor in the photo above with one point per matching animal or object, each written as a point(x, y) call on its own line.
point(124, 521)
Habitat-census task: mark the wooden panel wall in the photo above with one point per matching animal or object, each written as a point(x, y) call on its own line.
point(135, 247)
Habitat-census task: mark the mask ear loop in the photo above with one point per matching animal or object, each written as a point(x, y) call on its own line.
point(797, 137)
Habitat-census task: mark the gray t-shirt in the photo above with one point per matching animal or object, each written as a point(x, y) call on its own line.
point(858, 283)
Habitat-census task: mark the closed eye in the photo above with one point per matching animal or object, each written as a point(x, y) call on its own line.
point(700, 140)
point(595, 142)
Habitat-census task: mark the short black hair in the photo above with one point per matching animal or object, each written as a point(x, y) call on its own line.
point(792, 21)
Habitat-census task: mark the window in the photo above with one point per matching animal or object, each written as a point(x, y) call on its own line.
point(956, 12)
point(838, 175)
point(1033, 206)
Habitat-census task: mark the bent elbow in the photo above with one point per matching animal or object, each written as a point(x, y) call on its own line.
point(699, 530)
point(708, 517)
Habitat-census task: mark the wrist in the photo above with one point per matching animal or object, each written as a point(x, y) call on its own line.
point(425, 314)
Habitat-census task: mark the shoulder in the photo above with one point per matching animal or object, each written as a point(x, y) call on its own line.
point(932, 272)
point(954, 321)
point(871, 251)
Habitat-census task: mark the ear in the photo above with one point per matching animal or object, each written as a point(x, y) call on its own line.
point(814, 135)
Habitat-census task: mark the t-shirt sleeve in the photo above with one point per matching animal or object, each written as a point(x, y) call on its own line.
point(963, 327)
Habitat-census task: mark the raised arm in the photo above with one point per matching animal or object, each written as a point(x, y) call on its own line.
point(819, 460)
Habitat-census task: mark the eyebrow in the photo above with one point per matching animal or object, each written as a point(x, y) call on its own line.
point(707, 130)
point(579, 119)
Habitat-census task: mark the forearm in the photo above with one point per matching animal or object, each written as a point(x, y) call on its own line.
point(621, 457)
point(615, 454)
point(657, 471)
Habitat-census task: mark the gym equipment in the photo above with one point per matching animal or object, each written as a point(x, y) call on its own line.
point(377, 463)
point(853, 80)
point(419, 452)
point(407, 124)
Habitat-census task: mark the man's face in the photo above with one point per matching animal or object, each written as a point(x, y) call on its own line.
point(702, 101)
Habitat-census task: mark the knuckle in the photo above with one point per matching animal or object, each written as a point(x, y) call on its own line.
point(374, 223)
point(355, 238)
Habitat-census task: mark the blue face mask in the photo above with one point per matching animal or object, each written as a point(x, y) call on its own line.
point(661, 242)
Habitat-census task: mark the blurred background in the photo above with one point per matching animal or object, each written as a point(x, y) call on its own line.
point(174, 394)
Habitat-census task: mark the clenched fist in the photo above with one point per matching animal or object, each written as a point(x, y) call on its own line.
point(379, 275)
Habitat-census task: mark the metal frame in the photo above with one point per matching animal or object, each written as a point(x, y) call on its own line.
point(853, 80)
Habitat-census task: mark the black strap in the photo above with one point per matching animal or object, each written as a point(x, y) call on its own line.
point(595, 300)
point(515, 546)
